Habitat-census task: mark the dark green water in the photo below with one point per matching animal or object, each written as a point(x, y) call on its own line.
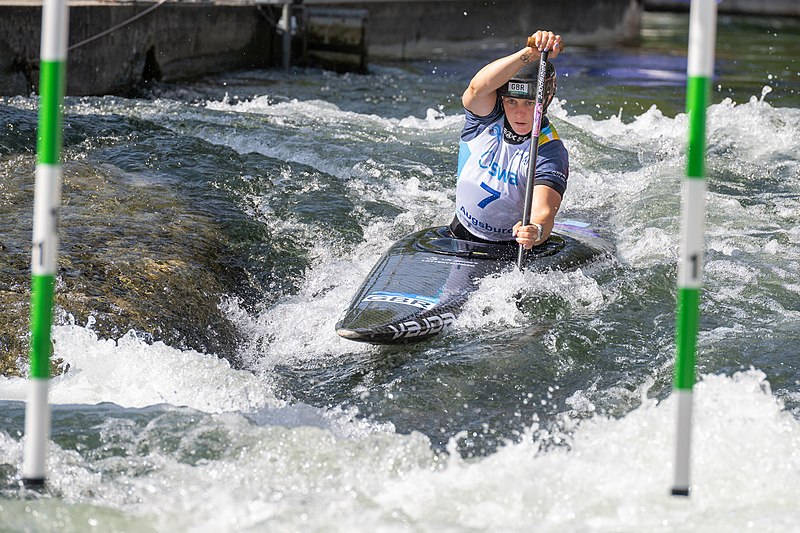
point(228, 222)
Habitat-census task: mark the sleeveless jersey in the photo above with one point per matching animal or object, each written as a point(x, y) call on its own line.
point(493, 174)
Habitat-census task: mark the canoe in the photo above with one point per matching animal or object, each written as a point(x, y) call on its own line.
point(418, 287)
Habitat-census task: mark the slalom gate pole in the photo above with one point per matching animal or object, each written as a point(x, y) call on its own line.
point(44, 256)
point(702, 40)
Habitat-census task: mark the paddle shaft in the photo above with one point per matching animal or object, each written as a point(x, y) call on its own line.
point(534, 153)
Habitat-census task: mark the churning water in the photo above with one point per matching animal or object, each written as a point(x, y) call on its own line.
point(213, 233)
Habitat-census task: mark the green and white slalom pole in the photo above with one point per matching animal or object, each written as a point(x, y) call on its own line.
point(702, 41)
point(47, 198)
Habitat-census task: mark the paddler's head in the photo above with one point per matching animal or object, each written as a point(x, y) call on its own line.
point(519, 95)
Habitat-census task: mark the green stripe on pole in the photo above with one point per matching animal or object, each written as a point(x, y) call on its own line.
point(687, 327)
point(42, 288)
point(52, 76)
point(697, 89)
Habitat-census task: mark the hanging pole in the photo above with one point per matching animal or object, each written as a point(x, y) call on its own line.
point(44, 256)
point(702, 41)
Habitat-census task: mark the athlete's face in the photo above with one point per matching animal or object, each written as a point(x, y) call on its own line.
point(519, 114)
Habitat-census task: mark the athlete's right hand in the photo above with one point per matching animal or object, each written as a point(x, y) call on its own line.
point(528, 236)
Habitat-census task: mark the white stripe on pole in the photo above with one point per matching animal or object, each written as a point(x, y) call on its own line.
point(702, 38)
point(55, 30)
point(683, 448)
point(37, 430)
point(693, 245)
point(47, 199)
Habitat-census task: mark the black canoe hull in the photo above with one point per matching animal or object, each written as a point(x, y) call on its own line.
point(419, 285)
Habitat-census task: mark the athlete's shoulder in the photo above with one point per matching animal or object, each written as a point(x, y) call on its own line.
point(474, 124)
point(551, 147)
point(549, 138)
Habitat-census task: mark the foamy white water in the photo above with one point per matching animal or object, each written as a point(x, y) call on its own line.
point(595, 474)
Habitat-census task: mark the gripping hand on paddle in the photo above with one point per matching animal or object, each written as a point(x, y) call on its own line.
point(480, 96)
point(530, 235)
point(545, 40)
point(546, 202)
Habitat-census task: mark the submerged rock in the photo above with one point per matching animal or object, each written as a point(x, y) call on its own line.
point(129, 264)
point(153, 236)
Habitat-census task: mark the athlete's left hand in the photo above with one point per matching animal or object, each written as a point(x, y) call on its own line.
point(529, 236)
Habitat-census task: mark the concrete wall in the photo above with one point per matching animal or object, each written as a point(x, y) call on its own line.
point(184, 39)
point(789, 8)
point(173, 42)
point(333, 38)
point(414, 29)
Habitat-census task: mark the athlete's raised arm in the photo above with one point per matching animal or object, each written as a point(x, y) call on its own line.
point(481, 94)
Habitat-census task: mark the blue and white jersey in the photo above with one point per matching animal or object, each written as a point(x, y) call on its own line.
point(493, 173)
